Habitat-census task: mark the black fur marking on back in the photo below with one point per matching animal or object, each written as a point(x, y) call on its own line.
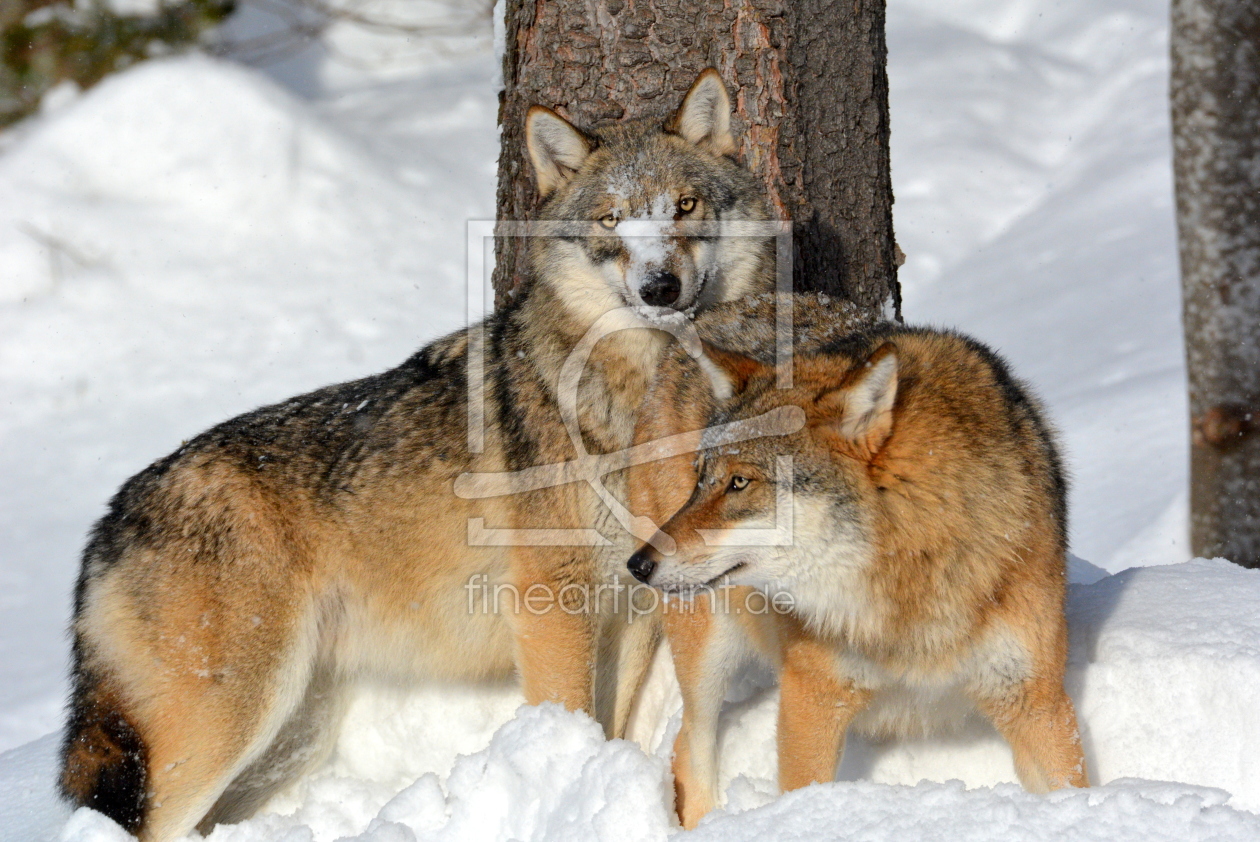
point(126, 517)
point(104, 761)
point(1016, 397)
point(860, 343)
point(318, 440)
point(507, 382)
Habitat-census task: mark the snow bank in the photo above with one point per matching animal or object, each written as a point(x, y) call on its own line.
point(1165, 669)
point(1125, 811)
point(546, 775)
point(194, 148)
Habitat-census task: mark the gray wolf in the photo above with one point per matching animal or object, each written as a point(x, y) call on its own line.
point(235, 588)
point(925, 572)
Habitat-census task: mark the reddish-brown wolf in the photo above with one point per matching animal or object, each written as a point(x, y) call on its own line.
point(924, 560)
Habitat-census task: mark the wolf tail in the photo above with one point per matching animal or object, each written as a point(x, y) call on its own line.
point(104, 761)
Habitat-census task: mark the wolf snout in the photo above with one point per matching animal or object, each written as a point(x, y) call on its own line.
point(641, 565)
point(661, 289)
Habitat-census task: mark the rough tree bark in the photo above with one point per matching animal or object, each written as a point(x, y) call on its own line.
point(811, 112)
point(1216, 144)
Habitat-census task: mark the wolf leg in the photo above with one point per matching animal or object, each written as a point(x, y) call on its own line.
point(201, 738)
point(554, 654)
point(1029, 706)
point(305, 740)
point(628, 641)
point(1039, 721)
point(554, 622)
point(182, 710)
point(816, 707)
point(708, 645)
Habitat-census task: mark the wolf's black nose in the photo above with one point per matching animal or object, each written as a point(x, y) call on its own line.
point(641, 566)
point(661, 289)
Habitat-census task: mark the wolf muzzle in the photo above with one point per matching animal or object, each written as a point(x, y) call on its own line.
point(661, 289)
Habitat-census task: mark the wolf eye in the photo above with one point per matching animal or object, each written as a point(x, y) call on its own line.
point(738, 483)
point(609, 221)
point(686, 204)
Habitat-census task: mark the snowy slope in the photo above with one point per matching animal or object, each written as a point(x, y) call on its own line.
point(192, 239)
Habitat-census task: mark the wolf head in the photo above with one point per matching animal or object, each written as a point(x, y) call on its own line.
point(757, 518)
point(635, 213)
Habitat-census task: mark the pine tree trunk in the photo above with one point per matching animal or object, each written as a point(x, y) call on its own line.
point(811, 100)
point(1216, 141)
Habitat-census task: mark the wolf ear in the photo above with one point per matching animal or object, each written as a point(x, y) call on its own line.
point(861, 411)
point(729, 373)
point(556, 148)
point(704, 118)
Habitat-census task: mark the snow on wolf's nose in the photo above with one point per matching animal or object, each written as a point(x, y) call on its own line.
point(661, 289)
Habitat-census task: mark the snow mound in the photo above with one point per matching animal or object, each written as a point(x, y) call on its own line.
point(547, 775)
point(189, 142)
point(1125, 811)
point(1165, 670)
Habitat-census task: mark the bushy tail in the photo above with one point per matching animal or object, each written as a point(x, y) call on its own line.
point(103, 758)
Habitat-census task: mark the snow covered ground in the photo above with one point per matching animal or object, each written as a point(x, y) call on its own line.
point(194, 238)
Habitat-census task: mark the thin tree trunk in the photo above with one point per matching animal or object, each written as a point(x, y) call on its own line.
point(811, 112)
point(1216, 141)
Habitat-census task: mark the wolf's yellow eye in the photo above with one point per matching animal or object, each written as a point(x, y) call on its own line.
point(738, 483)
point(686, 204)
point(609, 221)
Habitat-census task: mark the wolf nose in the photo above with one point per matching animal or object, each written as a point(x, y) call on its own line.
point(661, 289)
point(641, 566)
